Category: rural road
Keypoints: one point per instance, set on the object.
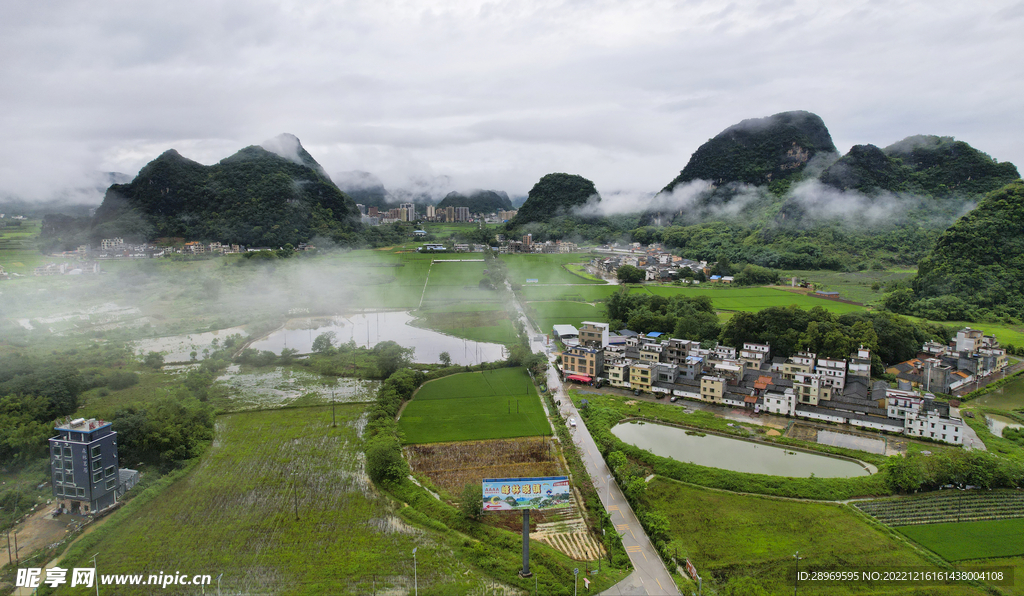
(650, 576)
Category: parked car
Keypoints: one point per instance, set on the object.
(636, 392)
(572, 421)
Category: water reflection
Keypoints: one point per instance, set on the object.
(371, 328)
(733, 454)
(996, 423)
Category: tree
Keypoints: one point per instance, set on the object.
(629, 274)
(446, 359)
(153, 360)
(903, 474)
(324, 343)
(470, 502)
(384, 462)
(391, 357)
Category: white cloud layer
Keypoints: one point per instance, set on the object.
(492, 94)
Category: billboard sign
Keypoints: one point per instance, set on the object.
(514, 494)
(692, 570)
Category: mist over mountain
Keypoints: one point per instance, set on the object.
(478, 201)
(364, 188)
(923, 164)
(758, 151)
(271, 194)
(78, 201)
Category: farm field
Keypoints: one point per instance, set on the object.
(493, 404)
(970, 540)
(750, 299)
(546, 268)
(533, 293)
(18, 253)
(234, 513)
(451, 466)
(547, 314)
(729, 536)
(852, 285)
(945, 506)
(486, 322)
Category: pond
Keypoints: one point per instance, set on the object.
(1008, 397)
(369, 329)
(733, 454)
(281, 386)
(179, 348)
(996, 423)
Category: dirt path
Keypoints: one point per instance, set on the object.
(39, 531)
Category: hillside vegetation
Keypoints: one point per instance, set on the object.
(554, 195)
(977, 265)
(254, 197)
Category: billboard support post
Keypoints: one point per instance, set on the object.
(525, 572)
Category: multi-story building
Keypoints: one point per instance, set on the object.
(410, 210)
(712, 388)
(581, 360)
(640, 377)
(810, 388)
(594, 335)
(83, 466)
(833, 373)
(802, 362)
(934, 426)
(462, 214)
(617, 373)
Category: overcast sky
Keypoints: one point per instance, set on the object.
(491, 94)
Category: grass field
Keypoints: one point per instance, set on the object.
(970, 540)
(234, 513)
(729, 536)
(494, 404)
(546, 269)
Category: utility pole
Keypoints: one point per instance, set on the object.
(96, 576)
(295, 492)
(796, 578)
(415, 578)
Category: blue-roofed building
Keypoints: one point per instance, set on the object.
(655, 334)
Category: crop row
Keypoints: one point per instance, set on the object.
(945, 507)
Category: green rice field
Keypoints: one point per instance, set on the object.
(750, 299)
(546, 269)
(970, 540)
(547, 314)
(494, 404)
